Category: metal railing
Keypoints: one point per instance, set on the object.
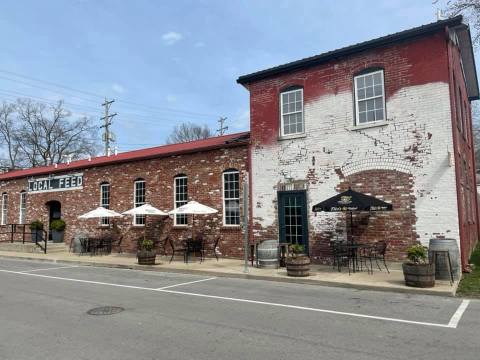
(39, 237)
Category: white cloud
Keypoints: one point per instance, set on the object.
(199, 44)
(118, 88)
(171, 98)
(171, 37)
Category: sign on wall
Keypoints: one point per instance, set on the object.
(56, 183)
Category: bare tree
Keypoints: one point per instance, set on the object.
(189, 132)
(9, 135)
(470, 9)
(35, 134)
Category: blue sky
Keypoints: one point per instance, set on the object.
(166, 62)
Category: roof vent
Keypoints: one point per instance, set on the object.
(55, 165)
(115, 150)
(89, 157)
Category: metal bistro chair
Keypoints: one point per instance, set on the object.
(177, 249)
(341, 255)
(377, 252)
(210, 246)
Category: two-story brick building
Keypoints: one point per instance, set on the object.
(389, 117)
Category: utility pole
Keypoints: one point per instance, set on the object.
(222, 128)
(107, 135)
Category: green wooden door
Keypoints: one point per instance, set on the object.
(292, 217)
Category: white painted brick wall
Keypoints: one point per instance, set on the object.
(412, 113)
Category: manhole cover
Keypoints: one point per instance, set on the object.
(105, 310)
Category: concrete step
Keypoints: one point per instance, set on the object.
(29, 247)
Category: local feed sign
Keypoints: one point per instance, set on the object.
(56, 183)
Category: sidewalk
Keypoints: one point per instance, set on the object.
(320, 274)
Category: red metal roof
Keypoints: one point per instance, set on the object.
(141, 154)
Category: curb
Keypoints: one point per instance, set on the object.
(305, 281)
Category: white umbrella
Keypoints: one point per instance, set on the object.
(145, 209)
(193, 208)
(100, 212)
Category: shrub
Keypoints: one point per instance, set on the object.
(146, 245)
(417, 254)
(57, 225)
(296, 249)
(36, 225)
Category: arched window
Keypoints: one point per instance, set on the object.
(22, 207)
(4, 209)
(180, 197)
(231, 197)
(291, 111)
(139, 200)
(105, 201)
(369, 96)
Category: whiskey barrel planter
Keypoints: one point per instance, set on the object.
(146, 257)
(298, 266)
(267, 252)
(441, 266)
(419, 275)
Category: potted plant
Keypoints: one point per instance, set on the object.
(146, 253)
(418, 271)
(58, 229)
(297, 263)
(36, 228)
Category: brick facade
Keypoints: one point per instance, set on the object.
(204, 171)
(407, 159)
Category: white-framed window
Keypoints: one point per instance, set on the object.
(181, 198)
(369, 97)
(231, 198)
(139, 200)
(291, 108)
(4, 209)
(22, 207)
(105, 201)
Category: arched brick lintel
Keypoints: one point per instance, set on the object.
(375, 164)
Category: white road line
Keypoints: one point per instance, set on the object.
(451, 324)
(52, 268)
(185, 283)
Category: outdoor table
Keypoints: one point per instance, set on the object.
(353, 249)
(93, 244)
(192, 246)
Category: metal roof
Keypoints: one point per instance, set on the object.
(135, 155)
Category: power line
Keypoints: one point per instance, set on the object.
(94, 95)
(222, 128)
(107, 135)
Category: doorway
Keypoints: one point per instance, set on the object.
(54, 213)
(292, 217)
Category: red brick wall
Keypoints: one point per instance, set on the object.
(464, 156)
(204, 171)
(414, 62)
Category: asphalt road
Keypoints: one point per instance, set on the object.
(43, 315)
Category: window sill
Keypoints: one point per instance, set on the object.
(290, 137)
(138, 226)
(368, 126)
(181, 227)
(231, 227)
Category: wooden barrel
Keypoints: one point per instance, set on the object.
(146, 257)
(441, 265)
(298, 266)
(267, 252)
(422, 276)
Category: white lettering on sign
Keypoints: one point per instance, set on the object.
(56, 183)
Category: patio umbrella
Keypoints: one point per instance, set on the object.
(350, 201)
(100, 212)
(193, 208)
(145, 209)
